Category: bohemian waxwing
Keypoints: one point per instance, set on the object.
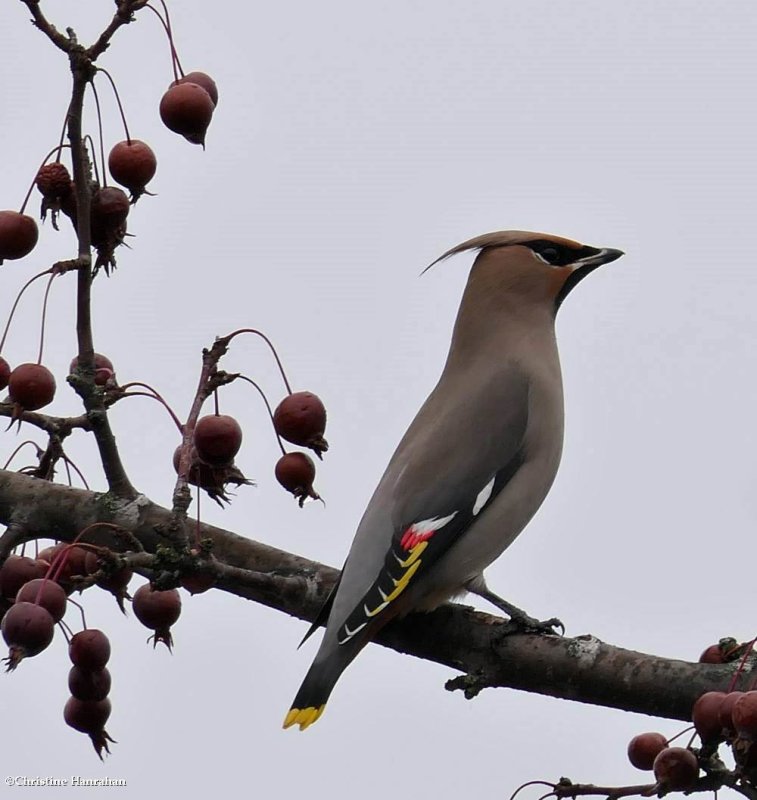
(476, 462)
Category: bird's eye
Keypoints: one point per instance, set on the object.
(550, 254)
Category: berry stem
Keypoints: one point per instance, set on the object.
(44, 317)
(155, 396)
(16, 451)
(227, 341)
(268, 406)
(61, 145)
(174, 54)
(15, 305)
(60, 559)
(175, 63)
(530, 783)
(68, 462)
(67, 632)
(99, 133)
(679, 734)
(81, 611)
(68, 473)
(215, 402)
(118, 101)
(46, 159)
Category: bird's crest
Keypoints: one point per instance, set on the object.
(498, 239)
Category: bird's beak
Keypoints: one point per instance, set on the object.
(604, 256)
(582, 267)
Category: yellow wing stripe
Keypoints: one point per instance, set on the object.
(410, 566)
(415, 553)
(402, 583)
(303, 717)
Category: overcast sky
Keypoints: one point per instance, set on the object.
(352, 144)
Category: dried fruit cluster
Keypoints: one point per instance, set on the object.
(300, 418)
(34, 597)
(719, 718)
(35, 593)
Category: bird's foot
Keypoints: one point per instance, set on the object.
(520, 622)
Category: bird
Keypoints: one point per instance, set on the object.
(476, 462)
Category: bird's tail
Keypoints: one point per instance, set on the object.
(310, 701)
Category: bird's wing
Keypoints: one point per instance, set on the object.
(323, 613)
(460, 461)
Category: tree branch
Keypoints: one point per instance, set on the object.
(123, 16)
(40, 21)
(54, 426)
(478, 645)
(115, 473)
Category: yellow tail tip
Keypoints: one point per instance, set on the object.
(303, 716)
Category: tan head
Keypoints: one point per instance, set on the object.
(528, 267)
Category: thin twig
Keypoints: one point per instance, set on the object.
(52, 33)
(227, 341)
(268, 406)
(44, 317)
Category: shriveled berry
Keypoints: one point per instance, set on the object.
(5, 373)
(200, 473)
(104, 369)
(725, 650)
(676, 769)
(644, 748)
(706, 716)
(69, 564)
(744, 715)
(27, 629)
(187, 109)
(18, 235)
(157, 610)
(110, 208)
(68, 204)
(726, 713)
(300, 418)
(89, 649)
(101, 362)
(90, 716)
(198, 580)
(89, 685)
(204, 80)
(18, 570)
(217, 439)
(132, 163)
(47, 554)
(102, 376)
(212, 479)
(57, 189)
(86, 716)
(47, 593)
(712, 655)
(31, 386)
(296, 473)
(53, 180)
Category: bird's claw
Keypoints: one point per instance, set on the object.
(523, 623)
